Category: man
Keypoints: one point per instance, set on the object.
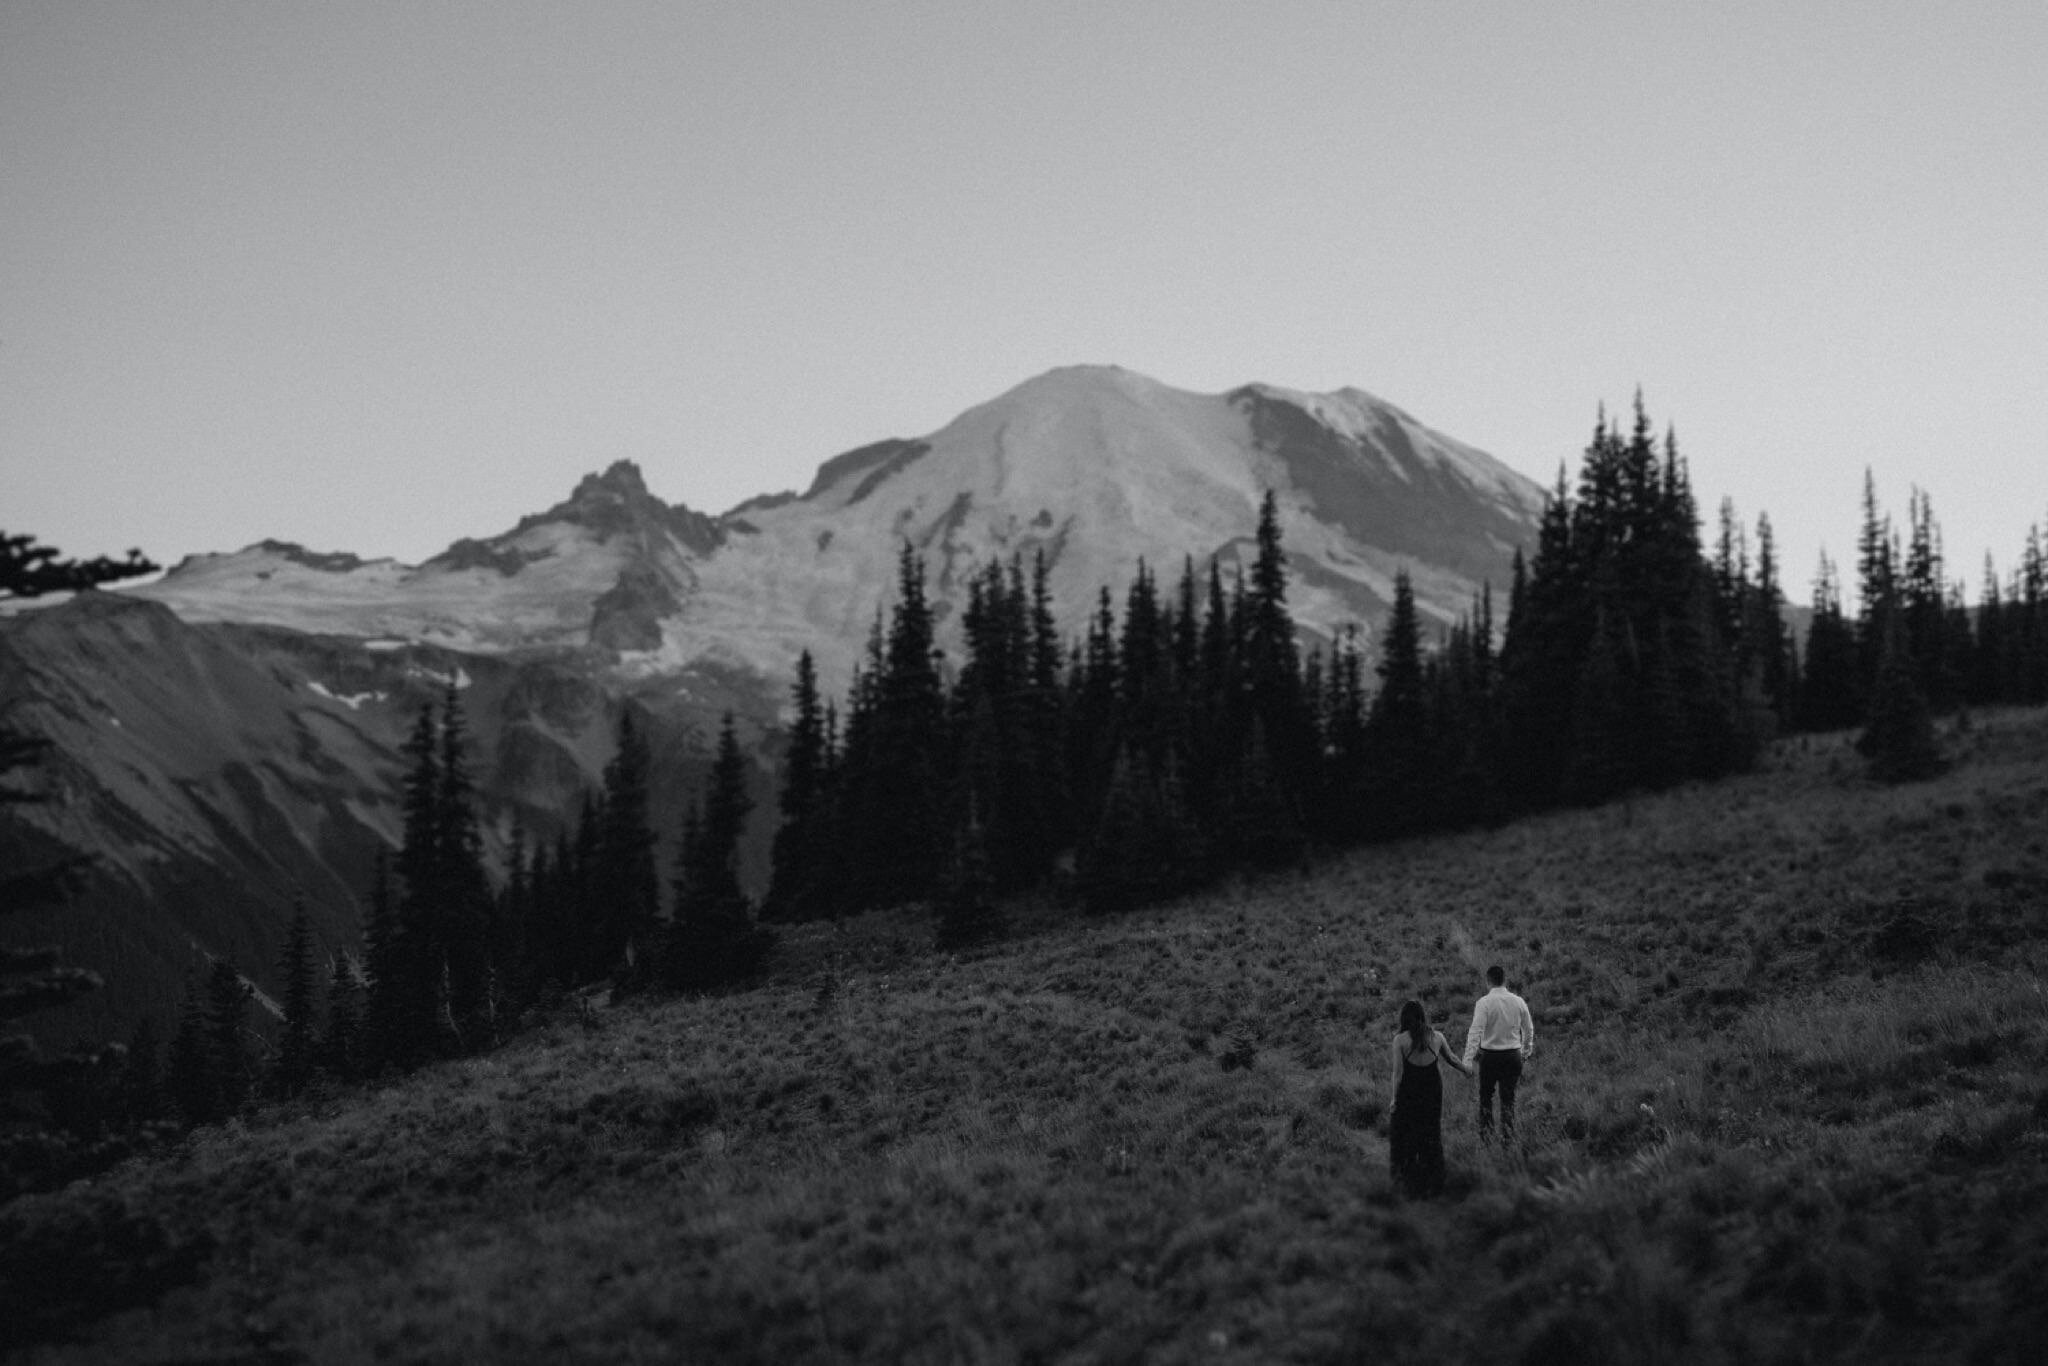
(1502, 1037)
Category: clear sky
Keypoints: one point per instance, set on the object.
(375, 276)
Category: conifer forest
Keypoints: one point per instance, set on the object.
(1178, 736)
(1182, 741)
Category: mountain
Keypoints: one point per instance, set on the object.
(230, 733)
(599, 568)
(1100, 468)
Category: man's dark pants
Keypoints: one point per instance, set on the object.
(1500, 1067)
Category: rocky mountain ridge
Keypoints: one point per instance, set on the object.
(230, 734)
(1094, 467)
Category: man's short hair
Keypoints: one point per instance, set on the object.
(1497, 975)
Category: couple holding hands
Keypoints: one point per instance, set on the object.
(1501, 1037)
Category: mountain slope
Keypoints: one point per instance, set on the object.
(217, 773)
(1761, 1124)
(583, 572)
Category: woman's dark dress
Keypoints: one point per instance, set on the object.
(1415, 1136)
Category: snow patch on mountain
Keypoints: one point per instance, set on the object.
(353, 701)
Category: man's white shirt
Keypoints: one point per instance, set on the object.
(1500, 1020)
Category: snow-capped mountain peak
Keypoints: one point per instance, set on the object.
(1095, 467)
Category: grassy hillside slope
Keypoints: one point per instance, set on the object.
(1790, 1102)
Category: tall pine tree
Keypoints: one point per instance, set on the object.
(1398, 745)
(625, 887)
(296, 1052)
(714, 940)
(796, 889)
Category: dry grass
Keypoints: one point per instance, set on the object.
(1789, 1103)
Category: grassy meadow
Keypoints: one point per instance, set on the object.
(1789, 1103)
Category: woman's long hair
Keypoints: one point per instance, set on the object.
(1415, 1024)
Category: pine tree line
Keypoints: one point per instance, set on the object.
(428, 979)
(1630, 659)
(1915, 648)
(1191, 736)
(1188, 735)
(446, 964)
(1184, 737)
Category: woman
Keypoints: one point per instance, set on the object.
(1415, 1135)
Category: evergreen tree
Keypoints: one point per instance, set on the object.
(1600, 767)
(1767, 640)
(195, 1091)
(1877, 583)
(1217, 717)
(1933, 643)
(1987, 681)
(1731, 573)
(1144, 677)
(967, 911)
(1899, 740)
(1049, 808)
(912, 722)
(795, 890)
(1398, 743)
(1265, 829)
(714, 940)
(389, 1033)
(463, 890)
(406, 969)
(1273, 664)
(625, 888)
(578, 918)
(518, 939)
(1830, 692)
(854, 821)
(341, 1048)
(1347, 809)
(226, 1037)
(1187, 627)
(1698, 729)
(432, 989)
(1619, 573)
(725, 811)
(893, 835)
(141, 1097)
(1463, 723)
(296, 1051)
(1723, 734)
(31, 570)
(1094, 709)
(1549, 628)
(1005, 723)
(2030, 644)
(1315, 692)
(1145, 847)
